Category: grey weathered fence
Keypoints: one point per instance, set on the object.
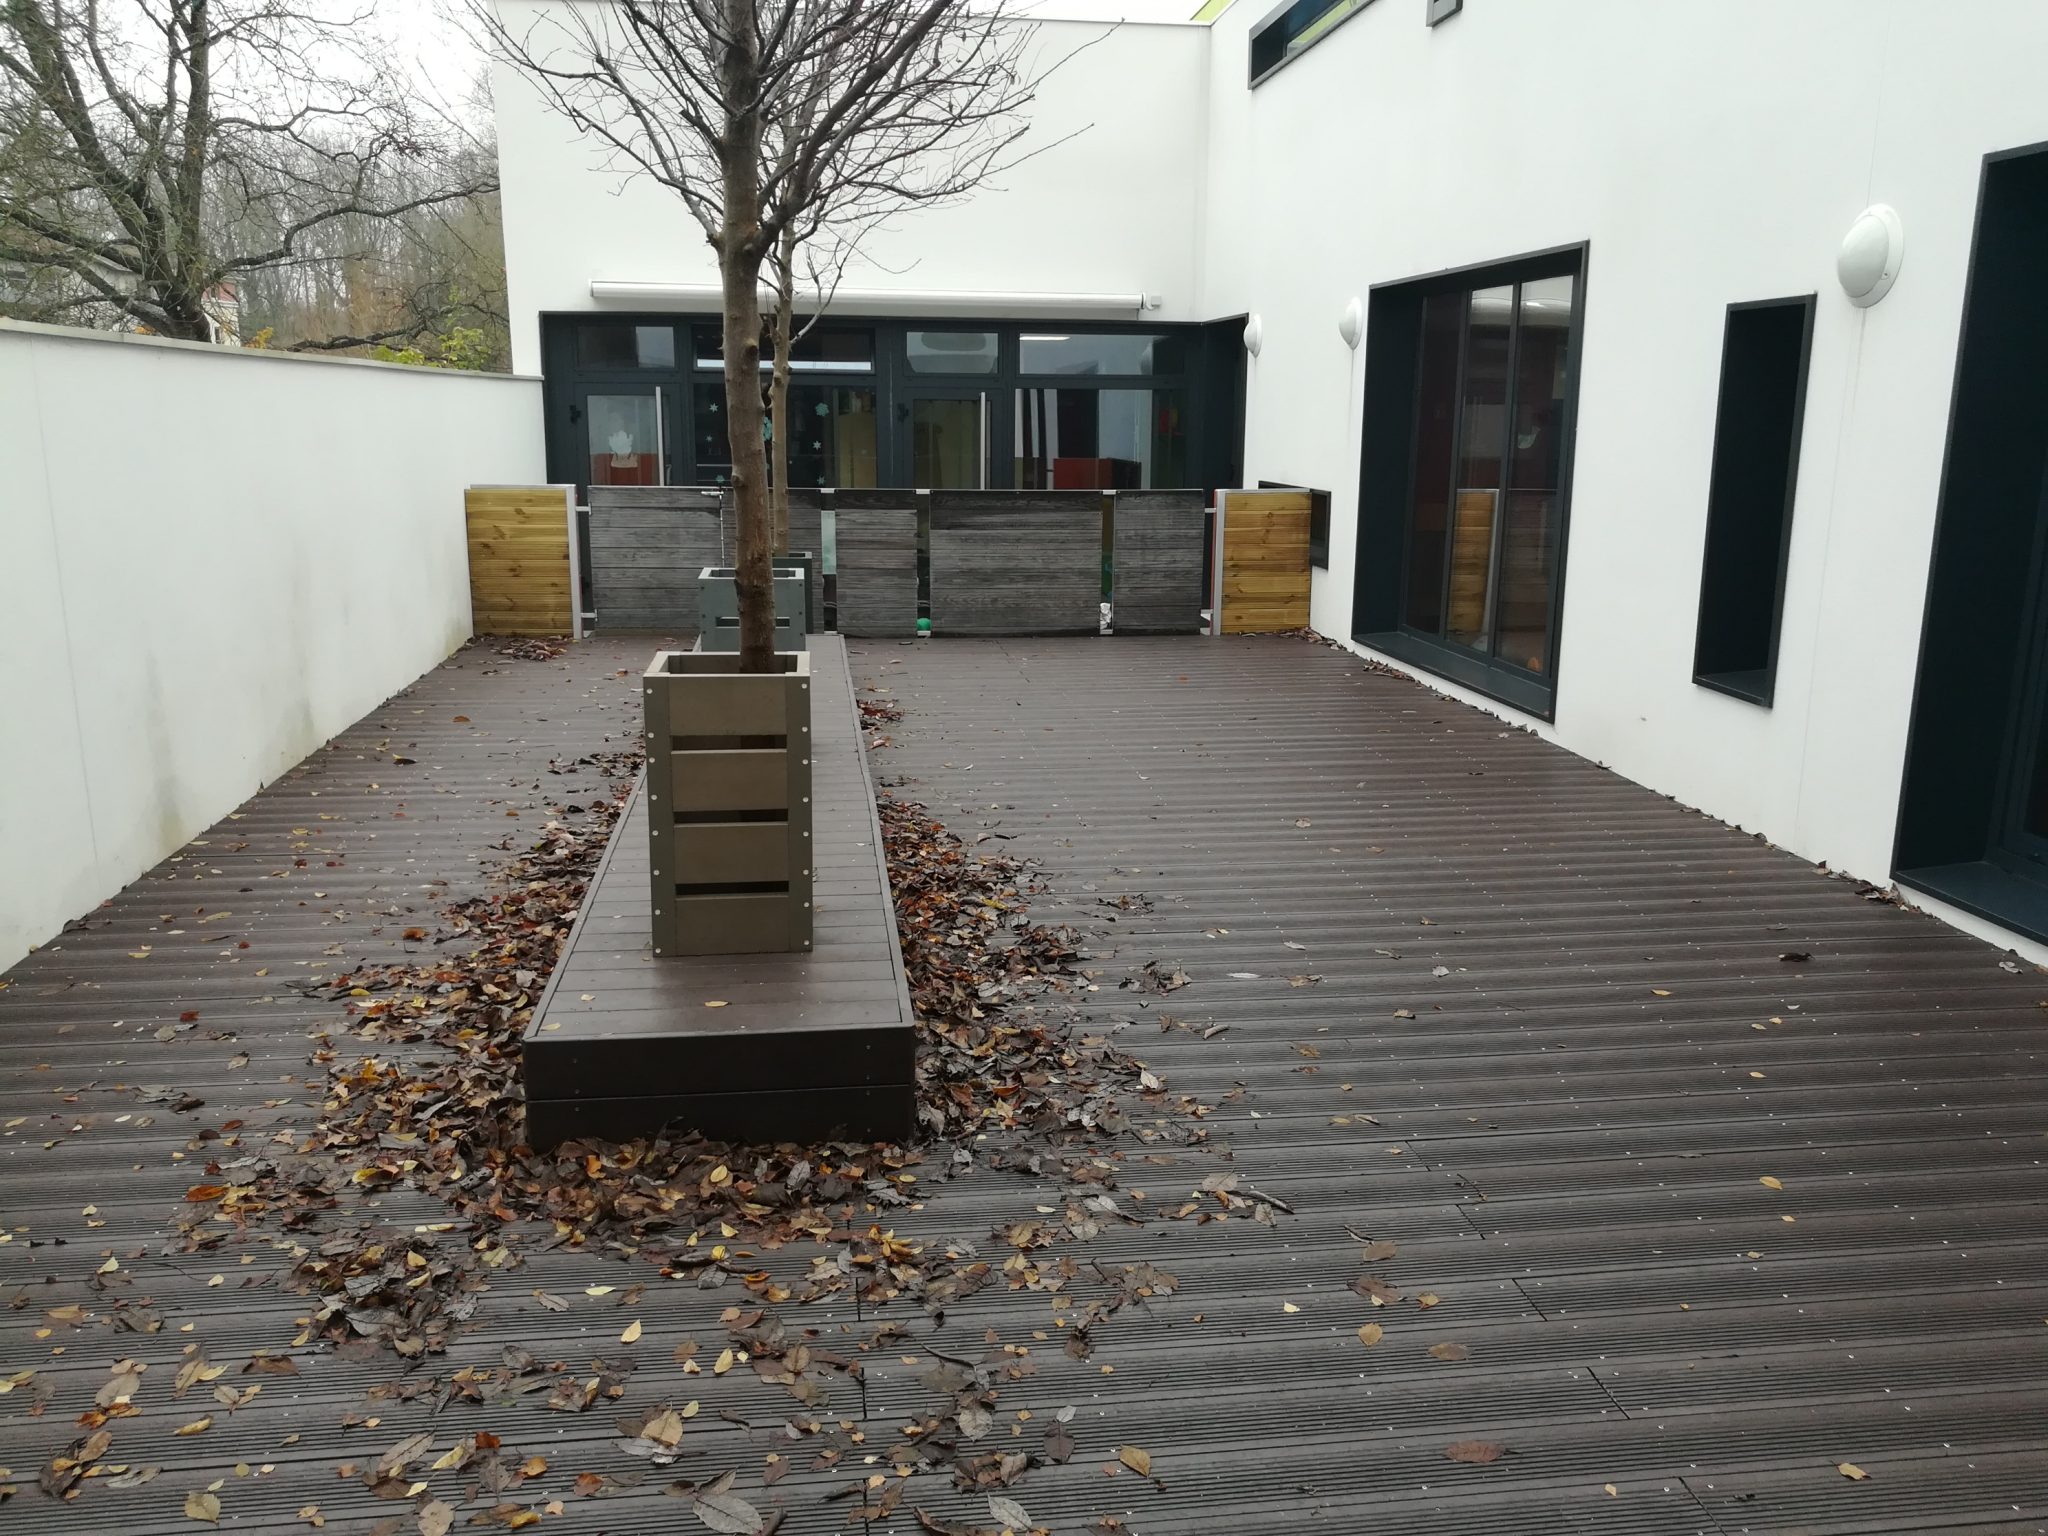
(875, 561)
(647, 544)
(977, 562)
(1016, 562)
(1156, 561)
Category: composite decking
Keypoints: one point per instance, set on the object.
(1450, 989)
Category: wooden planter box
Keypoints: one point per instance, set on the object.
(718, 607)
(729, 804)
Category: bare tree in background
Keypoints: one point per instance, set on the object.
(155, 153)
(771, 120)
(945, 122)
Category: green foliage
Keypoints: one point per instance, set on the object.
(466, 347)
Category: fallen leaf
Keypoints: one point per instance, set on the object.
(727, 1513)
(1008, 1512)
(1770, 1183)
(717, 1002)
(1370, 1334)
(632, 1332)
(1452, 1352)
(437, 1517)
(1136, 1458)
(196, 1427)
(203, 1506)
(1478, 1452)
(1850, 1470)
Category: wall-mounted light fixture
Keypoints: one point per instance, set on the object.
(1352, 325)
(1254, 335)
(1871, 253)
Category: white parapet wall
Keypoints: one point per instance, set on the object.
(216, 560)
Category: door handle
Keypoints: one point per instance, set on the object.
(660, 439)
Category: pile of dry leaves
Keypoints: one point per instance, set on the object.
(423, 1091)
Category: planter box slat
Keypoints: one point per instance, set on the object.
(725, 851)
(733, 780)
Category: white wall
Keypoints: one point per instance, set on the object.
(215, 561)
(1709, 153)
(1109, 204)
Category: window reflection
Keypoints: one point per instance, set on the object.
(1491, 437)
(834, 444)
(954, 352)
(1105, 354)
(620, 344)
(1529, 530)
(1100, 439)
(826, 351)
(625, 438)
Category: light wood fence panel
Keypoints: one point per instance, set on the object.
(1262, 570)
(522, 559)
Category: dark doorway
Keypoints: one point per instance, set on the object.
(1973, 818)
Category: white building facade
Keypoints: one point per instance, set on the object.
(1550, 299)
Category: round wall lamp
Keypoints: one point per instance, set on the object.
(1871, 253)
(1352, 325)
(1254, 335)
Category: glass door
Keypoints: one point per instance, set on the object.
(625, 434)
(2022, 835)
(947, 439)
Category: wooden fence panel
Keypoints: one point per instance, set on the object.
(522, 563)
(1262, 570)
(647, 544)
(1016, 562)
(1156, 572)
(875, 542)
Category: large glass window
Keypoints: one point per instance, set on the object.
(1108, 354)
(1100, 439)
(1463, 491)
(954, 352)
(1491, 417)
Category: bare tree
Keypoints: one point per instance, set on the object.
(941, 125)
(743, 108)
(179, 145)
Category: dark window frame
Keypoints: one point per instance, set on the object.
(1722, 515)
(1388, 469)
(1267, 51)
(1444, 10)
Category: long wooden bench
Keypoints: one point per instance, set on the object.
(761, 1048)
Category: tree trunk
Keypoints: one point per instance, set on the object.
(781, 429)
(739, 266)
